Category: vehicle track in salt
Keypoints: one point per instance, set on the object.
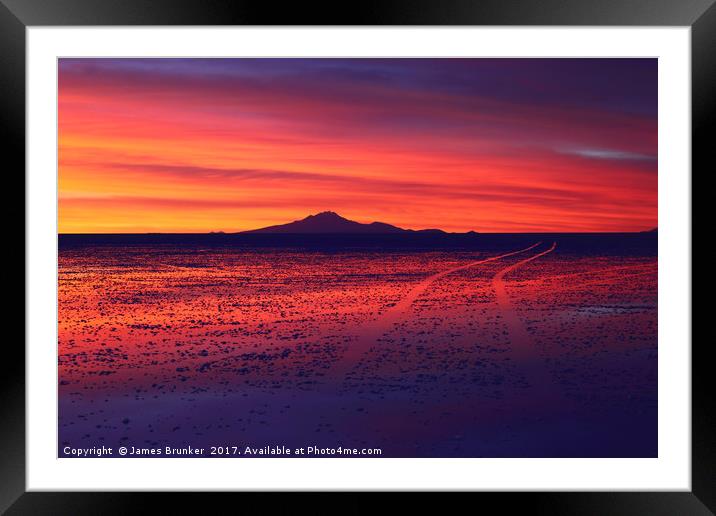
(543, 386)
(374, 330)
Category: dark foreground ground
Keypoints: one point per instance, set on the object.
(464, 346)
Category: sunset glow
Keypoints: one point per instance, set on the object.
(491, 145)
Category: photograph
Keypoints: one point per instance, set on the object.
(321, 257)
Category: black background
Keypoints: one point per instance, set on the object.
(16, 15)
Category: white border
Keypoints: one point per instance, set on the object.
(671, 471)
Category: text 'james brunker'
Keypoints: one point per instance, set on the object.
(236, 451)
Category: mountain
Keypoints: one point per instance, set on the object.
(331, 222)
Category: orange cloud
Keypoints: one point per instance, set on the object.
(148, 149)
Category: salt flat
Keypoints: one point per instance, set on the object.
(538, 346)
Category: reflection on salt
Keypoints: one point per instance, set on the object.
(163, 345)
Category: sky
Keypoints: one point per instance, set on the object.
(491, 145)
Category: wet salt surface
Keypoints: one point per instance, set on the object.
(163, 346)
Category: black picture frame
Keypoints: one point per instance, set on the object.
(17, 15)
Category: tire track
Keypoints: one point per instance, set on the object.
(376, 329)
(523, 350)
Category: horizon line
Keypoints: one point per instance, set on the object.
(415, 232)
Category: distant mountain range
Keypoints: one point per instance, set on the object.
(331, 222)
